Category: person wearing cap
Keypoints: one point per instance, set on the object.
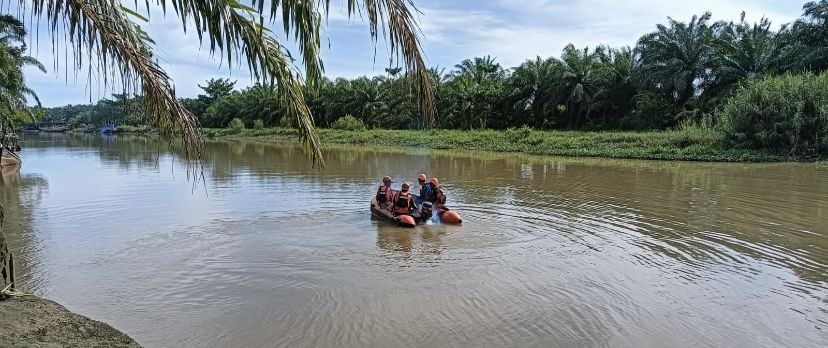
(384, 193)
(439, 197)
(425, 188)
(403, 201)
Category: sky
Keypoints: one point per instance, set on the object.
(509, 30)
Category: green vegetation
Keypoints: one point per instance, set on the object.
(236, 125)
(686, 143)
(349, 122)
(681, 73)
(14, 107)
(785, 113)
(110, 34)
(258, 123)
(108, 38)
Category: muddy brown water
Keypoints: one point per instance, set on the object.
(552, 252)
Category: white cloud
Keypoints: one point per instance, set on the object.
(516, 30)
(511, 30)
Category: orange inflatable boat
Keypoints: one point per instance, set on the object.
(445, 215)
(421, 215)
(402, 220)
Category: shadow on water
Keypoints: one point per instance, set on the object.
(552, 250)
(20, 195)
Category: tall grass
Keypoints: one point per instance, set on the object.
(787, 113)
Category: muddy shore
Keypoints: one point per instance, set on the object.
(30, 321)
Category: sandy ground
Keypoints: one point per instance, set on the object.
(30, 321)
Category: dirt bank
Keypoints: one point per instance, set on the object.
(31, 321)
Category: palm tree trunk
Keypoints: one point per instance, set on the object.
(537, 110)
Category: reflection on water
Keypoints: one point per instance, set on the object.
(553, 251)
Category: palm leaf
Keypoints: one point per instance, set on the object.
(236, 31)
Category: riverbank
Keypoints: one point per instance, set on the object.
(30, 321)
(691, 143)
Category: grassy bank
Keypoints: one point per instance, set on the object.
(689, 143)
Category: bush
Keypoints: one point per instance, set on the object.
(348, 122)
(236, 124)
(518, 134)
(785, 113)
(258, 123)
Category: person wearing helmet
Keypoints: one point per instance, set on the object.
(438, 197)
(403, 202)
(384, 193)
(425, 188)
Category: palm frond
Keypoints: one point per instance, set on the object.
(101, 31)
(32, 61)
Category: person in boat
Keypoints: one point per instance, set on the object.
(403, 201)
(438, 197)
(425, 188)
(385, 193)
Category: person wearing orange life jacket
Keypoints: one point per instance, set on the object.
(385, 193)
(438, 197)
(403, 201)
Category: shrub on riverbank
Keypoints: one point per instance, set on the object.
(349, 123)
(688, 142)
(784, 113)
(258, 124)
(133, 129)
(236, 125)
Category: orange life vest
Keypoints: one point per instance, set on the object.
(439, 197)
(402, 202)
(382, 194)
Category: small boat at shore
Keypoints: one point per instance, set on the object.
(9, 161)
(10, 157)
(109, 128)
(10, 151)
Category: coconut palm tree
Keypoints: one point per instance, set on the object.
(366, 100)
(533, 86)
(14, 94)
(480, 68)
(13, 100)
(582, 75)
(743, 51)
(615, 97)
(676, 58)
(110, 34)
(474, 93)
(809, 36)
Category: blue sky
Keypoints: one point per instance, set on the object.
(510, 30)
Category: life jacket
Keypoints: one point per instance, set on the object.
(439, 197)
(426, 209)
(402, 202)
(382, 194)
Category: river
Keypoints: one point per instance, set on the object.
(268, 251)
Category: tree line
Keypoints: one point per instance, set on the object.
(682, 71)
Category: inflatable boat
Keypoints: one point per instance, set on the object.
(421, 215)
(445, 215)
(384, 214)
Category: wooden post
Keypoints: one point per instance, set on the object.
(11, 271)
